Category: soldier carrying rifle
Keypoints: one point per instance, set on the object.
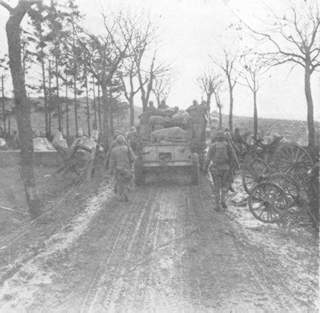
(219, 161)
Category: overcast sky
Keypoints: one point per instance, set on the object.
(192, 30)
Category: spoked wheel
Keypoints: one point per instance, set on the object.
(288, 184)
(253, 173)
(294, 160)
(268, 202)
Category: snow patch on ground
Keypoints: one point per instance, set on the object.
(17, 292)
(296, 250)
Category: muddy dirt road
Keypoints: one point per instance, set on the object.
(167, 250)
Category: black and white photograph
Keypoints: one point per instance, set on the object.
(159, 156)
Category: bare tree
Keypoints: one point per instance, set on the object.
(22, 105)
(161, 89)
(228, 67)
(141, 66)
(147, 77)
(105, 57)
(207, 83)
(295, 39)
(3, 70)
(217, 85)
(141, 36)
(253, 67)
(129, 87)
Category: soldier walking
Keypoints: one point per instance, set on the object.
(219, 161)
(121, 159)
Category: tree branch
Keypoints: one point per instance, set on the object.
(315, 32)
(7, 6)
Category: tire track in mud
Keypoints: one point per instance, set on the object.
(137, 284)
(110, 294)
(267, 292)
(142, 245)
(104, 229)
(115, 263)
(147, 262)
(93, 286)
(99, 232)
(225, 228)
(160, 291)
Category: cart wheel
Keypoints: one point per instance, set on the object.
(195, 169)
(289, 185)
(294, 160)
(253, 173)
(268, 202)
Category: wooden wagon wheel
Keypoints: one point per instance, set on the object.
(294, 160)
(253, 173)
(288, 184)
(268, 202)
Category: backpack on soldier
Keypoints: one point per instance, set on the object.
(221, 153)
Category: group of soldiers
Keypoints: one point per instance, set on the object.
(221, 158)
(221, 161)
(125, 149)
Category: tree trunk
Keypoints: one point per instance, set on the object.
(75, 106)
(87, 104)
(95, 122)
(209, 107)
(22, 107)
(310, 118)
(110, 115)
(49, 100)
(99, 110)
(208, 103)
(67, 110)
(106, 119)
(255, 115)
(313, 190)
(131, 110)
(58, 98)
(45, 97)
(3, 104)
(158, 100)
(220, 116)
(144, 100)
(9, 125)
(75, 76)
(230, 105)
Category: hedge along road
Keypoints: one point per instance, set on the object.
(167, 250)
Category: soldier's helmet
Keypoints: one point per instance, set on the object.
(120, 140)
